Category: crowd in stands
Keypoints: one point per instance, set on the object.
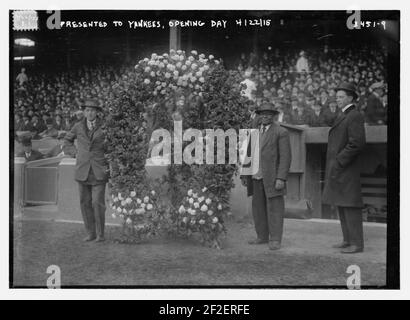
(301, 84)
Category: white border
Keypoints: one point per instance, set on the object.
(250, 294)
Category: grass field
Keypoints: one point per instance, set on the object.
(306, 258)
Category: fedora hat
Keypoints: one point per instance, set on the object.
(91, 103)
(349, 87)
(267, 107)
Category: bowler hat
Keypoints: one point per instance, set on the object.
(91, 103)
(377, 85)
(26, 140)
(267, 107)
(349, 87)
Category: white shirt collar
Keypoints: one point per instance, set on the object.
(347, 107)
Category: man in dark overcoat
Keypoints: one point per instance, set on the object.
(342, 178)
(267, 184)
(91, 169)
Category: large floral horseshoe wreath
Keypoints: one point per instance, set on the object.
(190, 199)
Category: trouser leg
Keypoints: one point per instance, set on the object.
(276, 211)
(343, 224)
(86, 208)
(354, 221)
(98, 203)
(259, 210)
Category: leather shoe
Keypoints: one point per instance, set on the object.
(341, 245)
(100, 239)
(89, 238)
(352, 249)
(257, 241)
(274, 245)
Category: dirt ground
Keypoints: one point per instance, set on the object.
(306, 258)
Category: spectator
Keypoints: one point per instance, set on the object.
(301, 116)
(28, 152)
(50, 132)
(58, 122)
(375, 111)
(302, 64)
(317, 118)
(331, 113)
(26, 125)
(22, 77)
(37, 126)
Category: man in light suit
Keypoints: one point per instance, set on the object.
(268, 185)
(91, 169)
(342, 178)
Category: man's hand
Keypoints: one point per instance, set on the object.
(244, 181)
(279, 184)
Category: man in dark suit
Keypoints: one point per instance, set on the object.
(91, 169)
(376, 113)
(267, 185)
(342, 179)
(28, 152)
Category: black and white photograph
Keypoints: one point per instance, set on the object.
(197, 149)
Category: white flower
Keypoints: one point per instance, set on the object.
(146, 59)
(201, 221)
(189, 192)
(204, 208)
(165, 55)
(181, 58)
(128, 200)
(133, 194)
(114, 207)
(128, 221)
(193, 79)
(191, 58)
(113, 215)
(196, 205)
(208, 201)
(211, 57)
(149, 206)
(185, 220)
(152, 74)
(193, 212)
(195, 195)
(167, 75)
(121, 216)
(153, 56)
(210, 212)
(139, 201)
(153, 192)
(191, 201)
(115, 199)
(199, 74)
(142, 205)
(164, 84)
(124, 210)
(193, 221)
(139, 211)
(215, 220)
(181, 209)
(206, 67)
(201, 79)
(147, 81)
(202, 56)
(183, 67)
(216, 62)
(194, 66)
(146, 199)
(194, 52)
(123, 202)
(161, 65)
(204, 189)
(188, 63)
(176, 73)
(200, 199)
(219, 206)
(147, 69)
(119, 210)
(120, 196)
(179, 51)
